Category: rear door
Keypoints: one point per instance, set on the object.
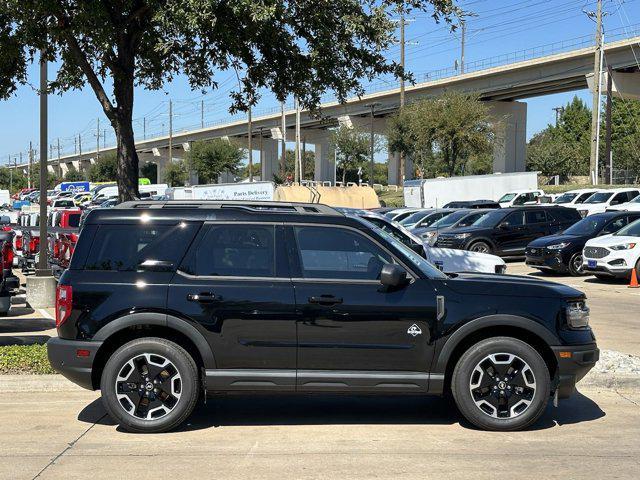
(234, 286)
(353, 334)
(510, 235)
(537, 225)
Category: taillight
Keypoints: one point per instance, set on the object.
(64, 295)
(19, 242)
(56, 248)
(7, 255)
(34, 243)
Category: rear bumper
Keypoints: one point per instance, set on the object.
(574, 362)
(63, 356)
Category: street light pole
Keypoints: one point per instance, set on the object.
(372, 106)
(42, 270)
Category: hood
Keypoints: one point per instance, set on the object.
(555, 239)
(610, 240)
(510, 286)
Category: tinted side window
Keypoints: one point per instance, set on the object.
(619, 198)
(235, 251)
(327, 252)
(614, 225)
(515, 219)
(633, 194)
(535, 216)
(125, 247)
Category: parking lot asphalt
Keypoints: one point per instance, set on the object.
(596, 434)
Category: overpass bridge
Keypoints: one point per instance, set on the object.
(502, 86)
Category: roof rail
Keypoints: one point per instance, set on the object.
(254, 206)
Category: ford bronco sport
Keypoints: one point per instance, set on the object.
(167, 300)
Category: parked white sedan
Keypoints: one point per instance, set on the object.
(614, 255)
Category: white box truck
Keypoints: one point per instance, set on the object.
(255, 191)
(437, 192)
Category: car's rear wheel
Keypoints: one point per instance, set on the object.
(150, 385)
(501, 384)
(480, 247)
(576, 267)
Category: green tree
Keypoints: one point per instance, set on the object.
(73, 176)
(149, 170)
(105, 169)
(442, 134)
(308, 166)
(548, 154)
(12, 180)
(211, 158)
(176, 174)
(625, 136)
(286, 47)
(52, 179)
(353, 151)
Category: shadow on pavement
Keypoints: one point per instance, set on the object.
(265, 410)
(26, 325)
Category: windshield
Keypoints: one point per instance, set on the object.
(631, 230)
(414, 259)
(587, 226)
(449, 219)
(413, 218)
(507, 197)
(490, 219)
(600, 197)
(635, 200)
(565, 198)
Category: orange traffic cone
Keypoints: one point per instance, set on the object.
(634, 279)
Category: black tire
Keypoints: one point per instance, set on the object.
(604, 278)
(530, 383)
(179, 376)
(575, 265)
(480, 246)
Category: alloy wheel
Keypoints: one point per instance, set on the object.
(576, 264)
(148, 386)
(480, 247)
(502, 385)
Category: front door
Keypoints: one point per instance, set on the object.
(352, 333)
(511, 234)
(234, 286)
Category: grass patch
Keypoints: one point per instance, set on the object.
(392, 199)
(567, 187)
(24, 360)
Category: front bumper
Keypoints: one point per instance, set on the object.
(604, 267)
(545, 260)
(64, 358)
(574, 362)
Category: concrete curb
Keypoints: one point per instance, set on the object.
(57, 383)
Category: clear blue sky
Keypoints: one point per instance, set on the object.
(500, 27)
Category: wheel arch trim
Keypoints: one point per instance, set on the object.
(162, 320)
(488, 321)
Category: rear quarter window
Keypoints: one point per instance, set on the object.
(125, 247)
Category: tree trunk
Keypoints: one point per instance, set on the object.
(127, 162)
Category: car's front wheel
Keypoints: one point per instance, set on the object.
(150, 385)
(502, 384)
(576, 267)
(480, 247)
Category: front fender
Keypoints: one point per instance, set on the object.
(478, 324)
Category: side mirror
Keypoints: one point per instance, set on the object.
(504, 226)
(393, 275)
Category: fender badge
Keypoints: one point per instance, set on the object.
(414, 330)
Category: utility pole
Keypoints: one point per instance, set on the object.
(30, 166)
(296, 176)
(463, 24)
(42, 270)
(75, 145)
(595, 112)
(559, 111)
(170, 133)
(250, 141)
(608, 152)
(261, 153)
(79, 148)
(10, 176)
(98, 141)
(402, 44)
(144, 128)
(201, 113)
(58, 150)
(283, 157)
(372, 106)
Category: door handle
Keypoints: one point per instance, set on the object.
(203, 297)
(325, 300)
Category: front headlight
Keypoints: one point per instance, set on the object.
(624, 246)
(461, 236)
(577, 314)
(428, 235)
(558, 246)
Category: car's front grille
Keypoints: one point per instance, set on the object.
(534, 252)
(595, 252)
(447, 242)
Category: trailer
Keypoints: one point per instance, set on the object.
(436, 192)
(254, 191)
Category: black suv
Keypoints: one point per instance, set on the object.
(507, 232)
(165, 300)
(562, 252)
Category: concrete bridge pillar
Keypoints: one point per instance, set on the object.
(324, 161)
(510, 150)
(269, 165)
(393, 165)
